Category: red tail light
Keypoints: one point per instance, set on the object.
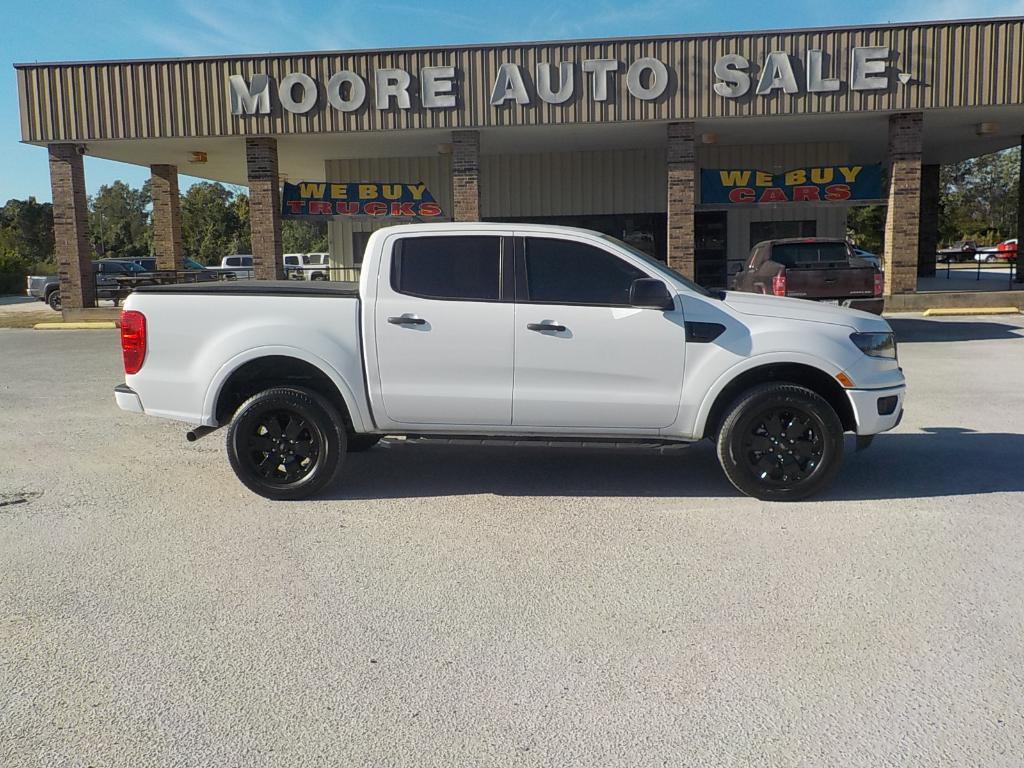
(133, 340)
(779, 285)
(878, 283)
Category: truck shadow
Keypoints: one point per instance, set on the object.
(942, 461)
(914, 331)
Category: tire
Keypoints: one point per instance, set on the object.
(318, 276)
(53, 300)
(754, 435)
(991, 259)
(360, 443)
(318, 436)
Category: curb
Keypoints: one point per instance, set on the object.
(956, 311)
(80, 326)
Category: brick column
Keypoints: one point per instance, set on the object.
(466, 175)
(166, 217)
(902, 219)
(928, 231)
(71, 226)
(1020, 216)
(682, 172)
(264, 208)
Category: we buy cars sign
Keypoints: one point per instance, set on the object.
(830, 183)
(359, 199)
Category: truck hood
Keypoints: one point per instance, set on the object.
(802, 309)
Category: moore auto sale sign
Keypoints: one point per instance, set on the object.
(646, 78)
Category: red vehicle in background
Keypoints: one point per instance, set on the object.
(1005, 251)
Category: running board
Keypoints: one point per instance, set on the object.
(542, 441)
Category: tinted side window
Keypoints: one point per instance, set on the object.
(564, 272)
(466, 268)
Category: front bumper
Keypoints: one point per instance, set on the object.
(875, 410)
(127, 399)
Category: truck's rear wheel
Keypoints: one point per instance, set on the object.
(286, 443)
(780, 442)
(53, 300)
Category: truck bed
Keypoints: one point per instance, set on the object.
(258, 288)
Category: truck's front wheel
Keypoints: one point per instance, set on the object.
(780, 442)
(286, 443)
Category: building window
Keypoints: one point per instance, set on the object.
(777, 230)
(457, 268)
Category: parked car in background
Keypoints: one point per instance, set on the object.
(511, 331)
(1002, 252)
(963, 250)
(306, 266)
(867, 256)
(106, 273)
(816, 268)
(194, 271)
(239, 263)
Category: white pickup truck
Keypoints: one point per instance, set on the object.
(508, 331)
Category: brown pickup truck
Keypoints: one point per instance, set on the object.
(816, 268)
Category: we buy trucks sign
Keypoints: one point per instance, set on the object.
(359, 199)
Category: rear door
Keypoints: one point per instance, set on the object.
(443, 330)
(583, 356)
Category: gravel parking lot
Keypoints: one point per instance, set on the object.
(452, 605)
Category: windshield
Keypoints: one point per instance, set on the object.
(805, 254)
(659, 266)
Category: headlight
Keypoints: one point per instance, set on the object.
(875, 344)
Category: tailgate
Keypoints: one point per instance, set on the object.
(830, 282)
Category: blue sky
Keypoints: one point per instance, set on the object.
(109, 29)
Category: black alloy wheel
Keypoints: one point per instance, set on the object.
(286, 443)
(780, 442)
(53, 300)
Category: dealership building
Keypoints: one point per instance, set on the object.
(692, 147)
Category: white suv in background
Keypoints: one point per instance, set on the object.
(307, 266)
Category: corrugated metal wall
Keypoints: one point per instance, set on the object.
(434, 171)
(570, 183)
(975, 63)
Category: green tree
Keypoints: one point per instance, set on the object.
(302, 236)
(119, 223)
(978, 198)
(214, 222)
(27, 231)
(865, 227)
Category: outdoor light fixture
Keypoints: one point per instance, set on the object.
(198, 157)
(986, 129)
(709, 138)
(444, 149)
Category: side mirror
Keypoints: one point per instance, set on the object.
(649, 293)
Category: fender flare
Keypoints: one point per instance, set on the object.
(749, 364)
(227, 369)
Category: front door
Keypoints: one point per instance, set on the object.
(583, 356)
(444, 332)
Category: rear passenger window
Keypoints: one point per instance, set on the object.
(565, 272)
(460, 268)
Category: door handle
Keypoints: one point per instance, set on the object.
(544, 327)
(407, 320)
